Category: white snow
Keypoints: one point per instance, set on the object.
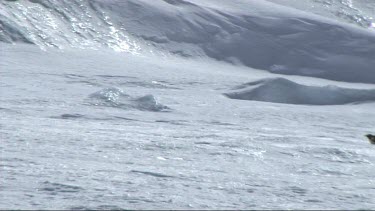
(123, 104)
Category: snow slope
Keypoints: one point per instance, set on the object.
(257, 34)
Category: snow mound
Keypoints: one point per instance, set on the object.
(281, 90)
(115, 97)
(110, 96)
(149, 103)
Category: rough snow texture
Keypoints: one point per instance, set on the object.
(281, 90)
(254, 33)
(63, 147)
(82, 123)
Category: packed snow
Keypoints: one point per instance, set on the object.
(187, 104)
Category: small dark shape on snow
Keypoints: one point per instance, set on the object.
(371, 138)
(149, 103)
(71, 116)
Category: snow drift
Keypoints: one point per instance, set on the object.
(257, 34)
(280, 90)
(115, 97)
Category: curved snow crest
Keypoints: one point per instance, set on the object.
(115, 97)
(281, 90)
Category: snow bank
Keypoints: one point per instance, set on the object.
(257, 34)
(280, 90)
(115, 97)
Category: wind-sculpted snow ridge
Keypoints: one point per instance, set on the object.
(258, 34)
(280, 90)
(115, 97)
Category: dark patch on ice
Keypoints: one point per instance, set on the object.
(127, 119)
(250, 190)
(3, 166)
(12, 33)
(8, 110)
(71, 116)
(182, 53)
(330, 172)
(173, 122)
(74, 76)
(281, 90)
(313, 201)
(154, 174)
(59, 188)
(179, 3)
(215, 122)
(155, 39)
(298, 190)
(202, 143)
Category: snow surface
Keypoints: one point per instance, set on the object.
(121, 104)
